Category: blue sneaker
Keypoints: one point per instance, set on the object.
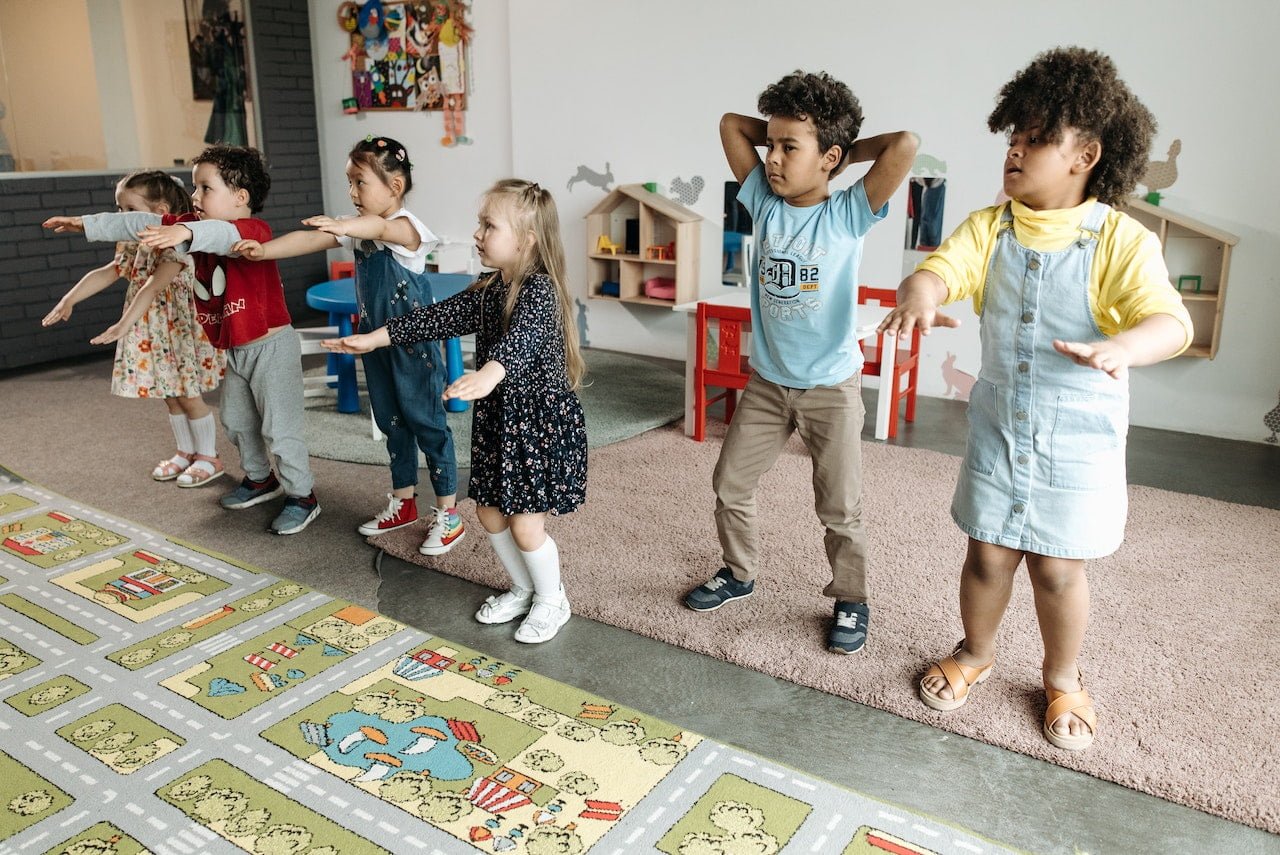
(849, 628)
(718, 590)
(251, 492)
(297, 514)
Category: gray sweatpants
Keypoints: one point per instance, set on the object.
(262, 409)
(829, 420)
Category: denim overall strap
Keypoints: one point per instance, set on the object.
(1044, 466)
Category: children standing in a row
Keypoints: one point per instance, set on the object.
(528, 436)
(804, 353)
(241, 305)
(1071, 294)
(161, 351)
(405, 383)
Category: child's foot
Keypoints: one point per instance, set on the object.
(946, 685)
(506, 606)
(546, 616)
(445, 532)
(201, 471)
(251, 492)
(398, 514)
(718, 590)
(297, 514)
(1070, 721)
(167, 470)
(849, 627)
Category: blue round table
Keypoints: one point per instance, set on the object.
(338, 298)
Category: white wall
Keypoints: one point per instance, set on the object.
(642, 85)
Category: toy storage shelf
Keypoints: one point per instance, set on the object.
(1193, 249)
(662, 226)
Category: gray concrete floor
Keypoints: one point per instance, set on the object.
(1002, 795)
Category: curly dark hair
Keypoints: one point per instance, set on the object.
(385, 157)
(1075, 88)
(242, 168)
(819, 97)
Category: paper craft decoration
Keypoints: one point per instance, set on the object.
(410, 56)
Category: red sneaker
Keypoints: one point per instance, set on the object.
(398, 514)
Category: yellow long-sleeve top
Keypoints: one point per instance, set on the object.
(1127, 283)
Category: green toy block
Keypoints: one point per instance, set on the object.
(1188, 279)
(1153, 198)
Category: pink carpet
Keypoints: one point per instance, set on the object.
(1180, 657)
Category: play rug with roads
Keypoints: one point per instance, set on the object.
(156, 697)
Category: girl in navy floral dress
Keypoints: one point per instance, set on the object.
(528, 436)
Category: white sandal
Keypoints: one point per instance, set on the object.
(505, 607)
(545, 618)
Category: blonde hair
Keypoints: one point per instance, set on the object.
(533, 210)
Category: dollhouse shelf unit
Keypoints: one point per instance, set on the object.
(1193, 249)
(661, 222)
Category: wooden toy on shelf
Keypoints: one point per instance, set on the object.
(665, 246)
(660, 288)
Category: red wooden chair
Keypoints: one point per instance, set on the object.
(342, 269)
(906, 361)
(730, 371)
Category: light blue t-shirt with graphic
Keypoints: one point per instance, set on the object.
(804, 300)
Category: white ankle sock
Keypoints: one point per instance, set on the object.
(512, 559)
(544, 568)
(205, 435)
(182, 433)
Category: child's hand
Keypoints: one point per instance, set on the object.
(250, 249)
(60, 312)
(65, 224)
(328, 225)
(113, 333)
(358, 343)
(477, 384)
(911, 314)
(164, 237)
(1108, 356)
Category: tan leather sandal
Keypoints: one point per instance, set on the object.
(1061, 703)
(202, 470)
(960, 678)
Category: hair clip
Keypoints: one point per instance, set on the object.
(177, 180)
(382, 142)
(400, 155)
(369, 138)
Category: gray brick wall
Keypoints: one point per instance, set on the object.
(37, 267)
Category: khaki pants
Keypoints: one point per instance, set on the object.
(829, 419)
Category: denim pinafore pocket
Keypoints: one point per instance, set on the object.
(985, 443)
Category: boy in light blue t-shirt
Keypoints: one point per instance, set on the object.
(805, 355)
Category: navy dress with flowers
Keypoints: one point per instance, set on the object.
(528, 436)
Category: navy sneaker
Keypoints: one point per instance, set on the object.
(718, 590)
(251, 492)
(849, 629)
(297, 514)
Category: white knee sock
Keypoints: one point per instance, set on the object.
(512, 559)
(205, 434)
(544, 568)
(182, 433)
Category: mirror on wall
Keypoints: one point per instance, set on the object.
(925, 205)
(115, 85)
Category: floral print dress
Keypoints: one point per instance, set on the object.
(165, 354)
(528, 437)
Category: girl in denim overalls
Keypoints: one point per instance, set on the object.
(1071, 293)
(405, 383)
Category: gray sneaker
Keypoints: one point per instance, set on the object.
(718, 590)
(251, 492)
(849, 627)
(297, 514)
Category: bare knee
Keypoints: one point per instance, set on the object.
(491, 518)
(1055, 575)
(528, 530)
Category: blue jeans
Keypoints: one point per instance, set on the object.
(405, 384)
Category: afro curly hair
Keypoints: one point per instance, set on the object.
(241, 168)
(820, 98)
(1075, 88)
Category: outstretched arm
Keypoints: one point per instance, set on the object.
(91, 283)
(1155, 339)
(159, 279)
(740, 136)
(398, 230)
(358, 343)
(893, 155)
(286, 246)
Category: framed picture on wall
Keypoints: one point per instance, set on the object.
(216, 44)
